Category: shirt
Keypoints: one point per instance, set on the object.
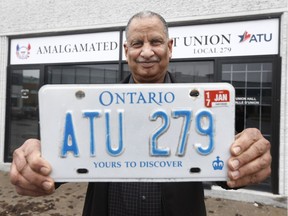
(135, 198)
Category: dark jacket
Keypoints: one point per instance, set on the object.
(178, 198)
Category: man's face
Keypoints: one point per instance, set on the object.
(148, 50)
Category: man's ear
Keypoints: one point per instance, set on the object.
(170, 45)
(125, 48)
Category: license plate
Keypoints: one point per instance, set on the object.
(137, 132)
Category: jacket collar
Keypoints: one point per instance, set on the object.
(127, 79)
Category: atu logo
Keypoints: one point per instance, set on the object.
(23, 52)
(255, 37)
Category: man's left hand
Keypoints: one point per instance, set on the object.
(250, 161)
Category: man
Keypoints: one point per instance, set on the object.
(148, 50)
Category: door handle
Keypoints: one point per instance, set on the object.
(24, 93)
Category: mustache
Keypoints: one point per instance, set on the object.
(141, 60)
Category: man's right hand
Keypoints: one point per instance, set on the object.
(30, 172)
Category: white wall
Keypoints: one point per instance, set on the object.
(3, 66)
(283, 152)
(30, 16)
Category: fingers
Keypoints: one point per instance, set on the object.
(34, 186)
(248, 180)
(251, 173)
(250, 152)
(251, 159)
(248, 138)
(30, 172)
(30, 180)
(30, 152)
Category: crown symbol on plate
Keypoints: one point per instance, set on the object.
(218, 164)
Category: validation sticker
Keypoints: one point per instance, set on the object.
(216, 98)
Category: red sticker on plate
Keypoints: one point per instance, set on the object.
(216, 98)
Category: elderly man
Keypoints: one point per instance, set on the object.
(148, 50)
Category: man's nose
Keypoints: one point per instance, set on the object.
(147, 51)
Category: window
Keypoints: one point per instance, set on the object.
(192, 72)
(83, 74)
(253, 85)
(22, 108)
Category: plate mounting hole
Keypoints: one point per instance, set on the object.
(80, 94)
(82, 171)
(195, 170)
(194, 93)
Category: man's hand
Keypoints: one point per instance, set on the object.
(250, 160)
(30, 172)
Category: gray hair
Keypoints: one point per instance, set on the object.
(145, 14)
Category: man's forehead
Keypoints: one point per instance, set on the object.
(147, 25)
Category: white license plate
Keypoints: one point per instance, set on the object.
(137, 132)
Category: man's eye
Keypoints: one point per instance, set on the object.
(156, 42)
(136, 44)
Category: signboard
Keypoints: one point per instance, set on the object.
(143, 132)
(257, 37)
(66, 48)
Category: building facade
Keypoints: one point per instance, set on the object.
(61, 42)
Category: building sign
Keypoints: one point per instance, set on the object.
(260, 37)
(226, 39)
(247, 101)
(69, 48)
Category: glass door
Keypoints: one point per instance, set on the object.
(22, 108)
(257, 86)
